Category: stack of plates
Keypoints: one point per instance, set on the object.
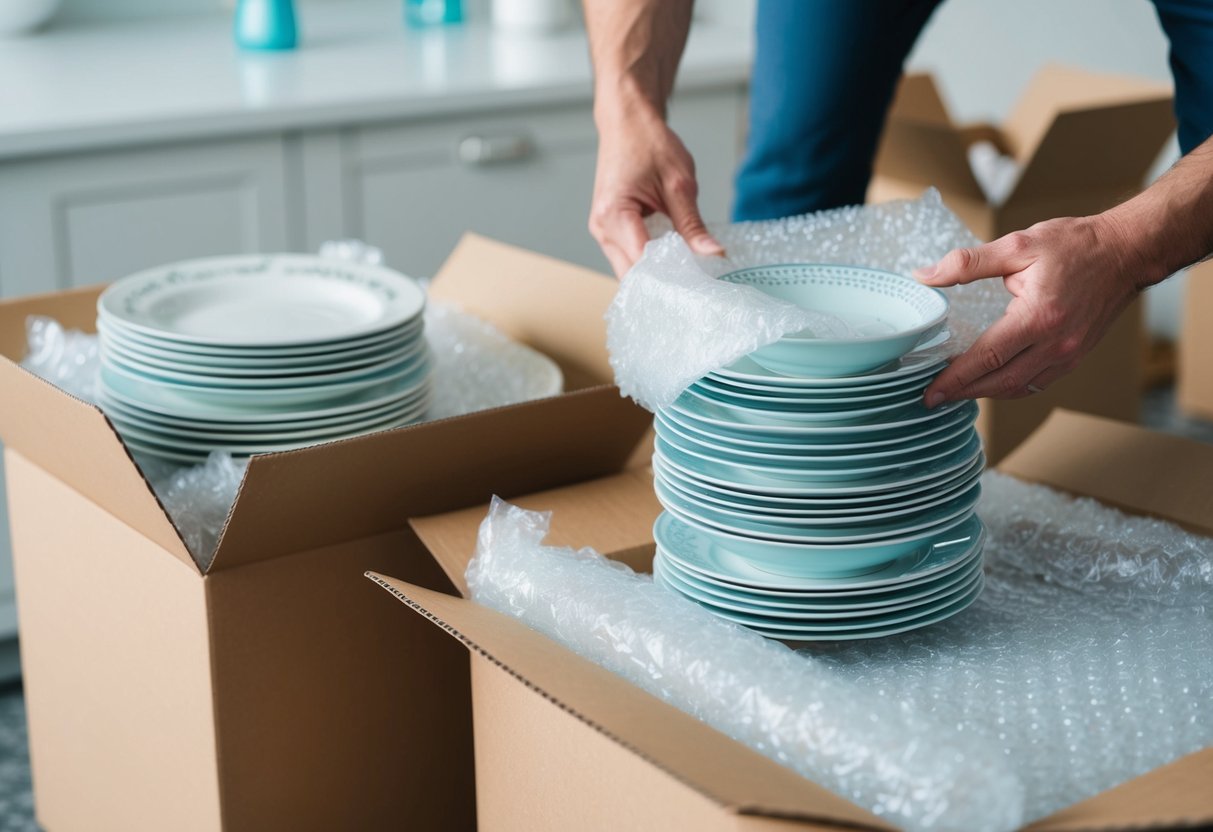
(260, 353)
(818, 508)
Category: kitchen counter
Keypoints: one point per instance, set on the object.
(91, 87)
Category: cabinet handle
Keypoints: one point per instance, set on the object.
(494, 150)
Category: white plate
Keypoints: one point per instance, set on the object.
(294, 378)
(726, 419)
(934, 597)
(704, 555)
(813, 443)
(189, 401)
(922, 361)
(870, 598)
(263, 300)
(168, 403)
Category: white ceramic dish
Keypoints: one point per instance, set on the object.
(262, 300)
(888, 314)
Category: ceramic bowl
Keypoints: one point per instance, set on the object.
(884, 315)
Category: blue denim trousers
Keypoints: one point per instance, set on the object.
(824, 75)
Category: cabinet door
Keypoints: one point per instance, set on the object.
(525, 178)
(75, 220)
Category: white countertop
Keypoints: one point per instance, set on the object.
(118, 84)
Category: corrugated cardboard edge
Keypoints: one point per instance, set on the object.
(460, 618)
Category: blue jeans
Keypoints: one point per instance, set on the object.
(824, 75)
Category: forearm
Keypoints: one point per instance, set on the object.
(635, 46)
(1170, 224)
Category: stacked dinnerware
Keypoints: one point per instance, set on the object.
(808, 493)
(260, 353)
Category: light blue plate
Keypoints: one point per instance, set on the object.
(857, 628)
(802, 560)
(841, 612)
(808, 397)
(814, 442)
(889, 315)
(925, 361)
(768, 425)
(725, 465)
(693, 552)
(808, 454)
(755, 599)
(807, 531)
(853, 517)
(815, 483)
(796, 410)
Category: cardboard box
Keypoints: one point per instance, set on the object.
(1194, 387)
(564, 744)
(278, 689)
(1084, 141)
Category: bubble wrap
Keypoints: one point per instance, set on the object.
(1087, 661)
(671, 321)
(475, 368)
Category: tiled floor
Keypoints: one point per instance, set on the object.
(16, 800)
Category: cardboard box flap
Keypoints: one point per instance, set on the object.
(613, 515)
(1109, 149)
(688, 750)
(1122, 465)
(548, 304)
(1174, 796)
(1055, 89)
(74, 309)
(921, 145)
(76, 443)
(373, 484)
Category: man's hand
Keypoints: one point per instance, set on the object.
(643, 167)
(1070, 279)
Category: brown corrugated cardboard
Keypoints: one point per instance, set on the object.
(562, 744)
(1194, 387)
(1084, 141)
(273, 690)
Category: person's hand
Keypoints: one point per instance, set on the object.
(643, 168)
(1070, 279)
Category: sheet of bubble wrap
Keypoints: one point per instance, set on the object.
(672, 321)
(476, 367)
(1087, 661)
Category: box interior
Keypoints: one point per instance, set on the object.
(1122, 465)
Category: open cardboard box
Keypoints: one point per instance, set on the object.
(1194, 384)
(1084, 141)
(278, 689)
(564, 744)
